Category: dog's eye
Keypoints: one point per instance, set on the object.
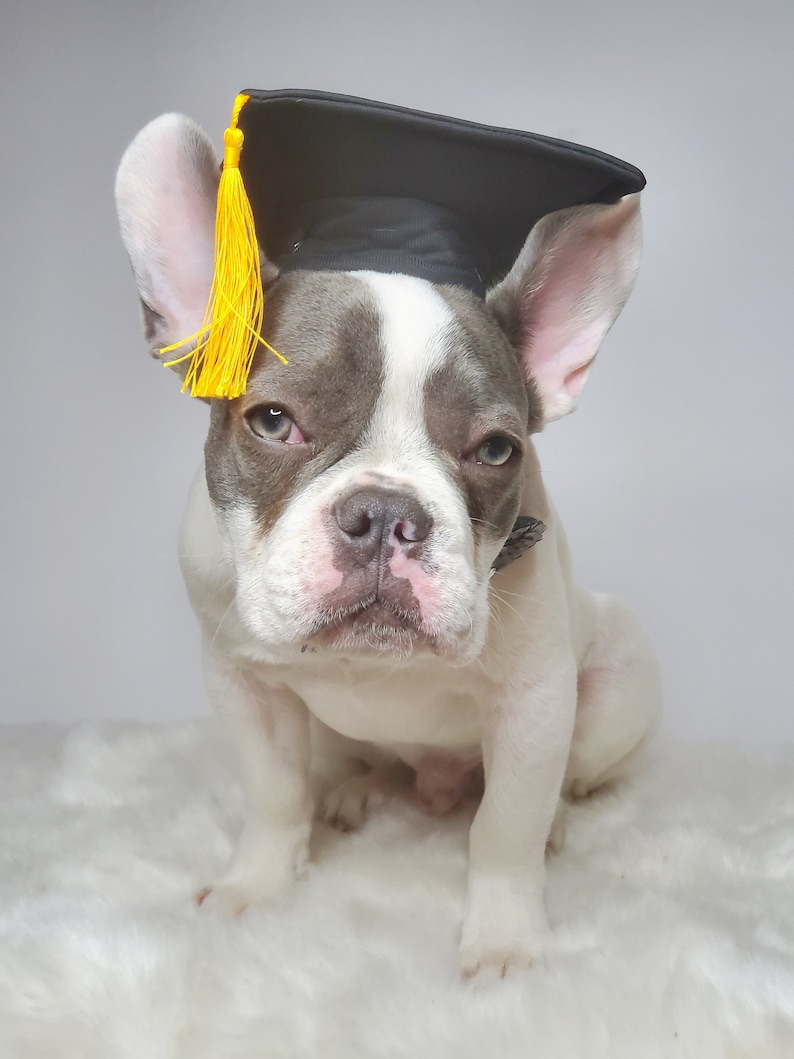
(494, 451)
(273, 424)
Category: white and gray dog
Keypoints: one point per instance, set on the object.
(340, 541)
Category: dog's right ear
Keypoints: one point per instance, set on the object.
(166, 191)
(564, 293)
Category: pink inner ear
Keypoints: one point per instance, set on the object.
(186, 239)
(559, 358)
(573, 277)
(166, 191)
(574, 383)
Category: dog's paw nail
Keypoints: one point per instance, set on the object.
(341, 823)
(226, 900)
(493, 966)
(554, 844)
(556, 839)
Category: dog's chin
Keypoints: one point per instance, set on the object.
(374, 628)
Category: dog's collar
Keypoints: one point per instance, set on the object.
(525, 533)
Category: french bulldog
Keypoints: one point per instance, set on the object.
(343, 543)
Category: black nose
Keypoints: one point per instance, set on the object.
(368, 517)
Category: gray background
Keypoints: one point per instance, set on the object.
(674, 476)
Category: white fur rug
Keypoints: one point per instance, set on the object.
(672, 905)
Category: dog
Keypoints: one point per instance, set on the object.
(342, 539)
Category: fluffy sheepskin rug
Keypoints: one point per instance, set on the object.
(672, 905)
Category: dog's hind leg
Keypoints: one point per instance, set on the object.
(346, 806)
(619, 699)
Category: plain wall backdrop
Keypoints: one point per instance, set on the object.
(673, 478)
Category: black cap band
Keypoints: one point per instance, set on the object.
(386, 234)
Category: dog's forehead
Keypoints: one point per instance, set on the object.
(354, 338)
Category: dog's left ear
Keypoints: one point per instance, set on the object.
(565, 291)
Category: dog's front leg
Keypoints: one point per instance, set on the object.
(526, 740)
(270, 726)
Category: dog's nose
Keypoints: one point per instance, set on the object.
(369, 517)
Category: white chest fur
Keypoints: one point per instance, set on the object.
(425, 704)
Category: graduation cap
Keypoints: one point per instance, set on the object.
(330, 182)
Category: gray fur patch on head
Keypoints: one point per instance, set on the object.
(481, 347)
(480, 390)
(326, 325)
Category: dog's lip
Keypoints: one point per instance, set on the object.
(373, 623)
(373, 609)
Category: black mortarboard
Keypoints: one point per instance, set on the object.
(335, 182)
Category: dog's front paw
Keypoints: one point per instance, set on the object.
(232, 895)
(486, 962)
(265, 865)
(497, 953)
(230, 899)
(502, 933)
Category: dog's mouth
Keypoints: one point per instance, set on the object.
(373, 625)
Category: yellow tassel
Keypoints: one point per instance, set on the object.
(229, 336)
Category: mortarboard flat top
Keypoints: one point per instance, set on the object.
(337, 182)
